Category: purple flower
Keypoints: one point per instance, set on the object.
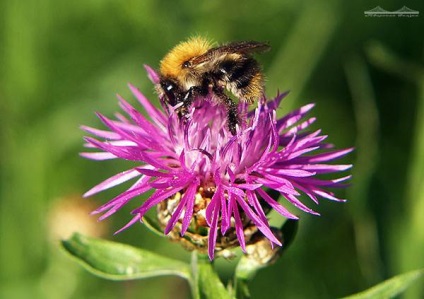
(199, 158)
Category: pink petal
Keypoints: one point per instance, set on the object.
(113, 181)
(275, 205)
(262, 226)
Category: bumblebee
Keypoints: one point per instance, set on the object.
(195, 68)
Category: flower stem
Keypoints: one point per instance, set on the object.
(194, 279)
(205, 281)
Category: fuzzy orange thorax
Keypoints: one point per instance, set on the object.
(171, 64)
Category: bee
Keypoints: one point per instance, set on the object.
(194, 68)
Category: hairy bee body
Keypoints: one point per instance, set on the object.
(196, 68)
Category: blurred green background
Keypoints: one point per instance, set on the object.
(60, 61)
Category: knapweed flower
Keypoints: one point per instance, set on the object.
(208, 184)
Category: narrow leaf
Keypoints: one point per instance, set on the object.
(116, 261)
(391, 287)
(289, 230)
(153, 225)
(248, 266)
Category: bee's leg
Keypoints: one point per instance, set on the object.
(233, 118)
(232, 110)
(189, 97)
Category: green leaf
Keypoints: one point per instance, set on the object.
(153, 226)
(242, 289)
(391, 287)
(209, 282)
(117, 261)
(289, 230)
(247, 267)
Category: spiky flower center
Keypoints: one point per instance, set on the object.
(196, 236)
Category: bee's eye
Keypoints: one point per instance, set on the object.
(186, 64)
(167, 85)
(170, 88)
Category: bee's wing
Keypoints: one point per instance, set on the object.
(244, 47)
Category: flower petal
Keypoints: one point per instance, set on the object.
(190, 195)
(261, 225)
(113, 181)
(275, 205)
(213, 231)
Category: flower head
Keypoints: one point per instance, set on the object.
(207, 180)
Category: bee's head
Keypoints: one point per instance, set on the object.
(177, 63)
(170, 90)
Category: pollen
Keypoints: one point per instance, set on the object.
(171, 64)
